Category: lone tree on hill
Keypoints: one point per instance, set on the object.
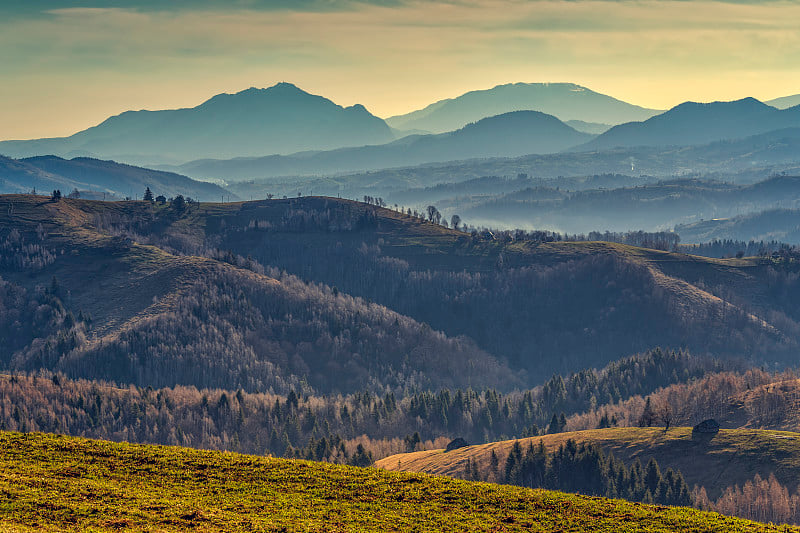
(148, 195)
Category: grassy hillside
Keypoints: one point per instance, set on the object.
(731, 457)
(58, 483)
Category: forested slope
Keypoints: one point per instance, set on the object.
(715, 462)
(193, 280)
(96, 306)
(314, 426)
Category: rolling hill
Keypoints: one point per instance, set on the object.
(785, 101)
(588, 127)
(149, 275)
(100, 486)
(731, 457)
(740, 161)
(778, 224)
(566, 101)
(649, 206)
(98, 179)
(694, 123)
(510, 134)
(581, 301)
(161, 318)
(278, 120)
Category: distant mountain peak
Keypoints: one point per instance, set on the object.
(279, 90)
(358, 108)
(281, 119)
(566, 101)
(743, 103)
(515, 117)
(285, 85)
(699, 123)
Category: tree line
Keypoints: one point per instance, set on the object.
(294, 423)
(584, 468)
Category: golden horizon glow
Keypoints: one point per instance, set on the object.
(68, 69)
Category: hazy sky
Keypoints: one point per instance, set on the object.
(67, 65)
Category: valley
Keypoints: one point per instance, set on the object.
(503, 311)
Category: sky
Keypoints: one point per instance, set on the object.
(67, 65)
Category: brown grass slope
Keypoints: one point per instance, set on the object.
(715, 462)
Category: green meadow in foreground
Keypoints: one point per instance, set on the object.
(50, 482)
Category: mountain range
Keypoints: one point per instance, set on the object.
(694, 123)
(566, 101)
(285, 131)
(279, 120)
(507, 135)
(746, 131)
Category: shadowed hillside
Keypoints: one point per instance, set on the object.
(541, 307)
(101, 306)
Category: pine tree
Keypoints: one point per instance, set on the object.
(648, 415)
(554, 426)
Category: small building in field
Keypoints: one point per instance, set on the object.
(707, 426)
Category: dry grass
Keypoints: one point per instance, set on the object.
(731, 457)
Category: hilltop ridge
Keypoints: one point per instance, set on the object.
(338, 264)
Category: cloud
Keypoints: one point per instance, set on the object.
(37, 7)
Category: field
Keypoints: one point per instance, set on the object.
(715, 462)
(50, 482)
